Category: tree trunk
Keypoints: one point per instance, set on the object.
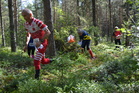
(15, 18)
(94, 20)
(107, 27)
(94, 12)
(135, 12)
(78, 14)
(12, 33)
(55, 4)
(54, 14)
(2, 28)
(110, 24)
(127, 37)
(49, 21)
(36, 8)
(120, 16)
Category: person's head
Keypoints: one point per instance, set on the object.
(27, 14)
(116, 27)
(80, 32)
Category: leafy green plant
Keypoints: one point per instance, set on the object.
(112, 71)
(35, 86)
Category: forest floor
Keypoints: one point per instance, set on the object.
(113, 71)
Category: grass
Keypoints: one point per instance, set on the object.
(112, 71)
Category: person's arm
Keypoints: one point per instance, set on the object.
(46, 35)
(44, 27)
(28, 38)
(27, 41)
(80, 38)
(120, 33)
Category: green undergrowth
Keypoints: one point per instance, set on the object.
(113, 71)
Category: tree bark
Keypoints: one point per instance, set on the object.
(12, 30)
(78, 14)
(36, 8)
(2, 28)
(135, 11)
(110, 24)
(94, 12)
(127, 37)
(94, 20)
(15, 18)
(51, 51)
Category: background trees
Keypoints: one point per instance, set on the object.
(69, 15)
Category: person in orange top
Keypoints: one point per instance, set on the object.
(117, 36)
(71, 39)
